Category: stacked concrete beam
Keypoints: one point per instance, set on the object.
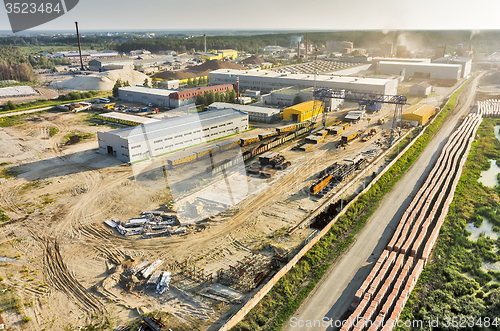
(391, 284)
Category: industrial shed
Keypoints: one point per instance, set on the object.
(303, 111)
(155, 139)
(145, 95)
(421, 70)
(419, 114)
(421, 90)
(255, 114)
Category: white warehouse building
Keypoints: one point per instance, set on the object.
(264, 80)
(421, 70)
(155, 139)
(145, 95)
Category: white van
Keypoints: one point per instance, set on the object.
(104, 100)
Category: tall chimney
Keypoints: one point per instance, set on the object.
(79, 46)
(298, 50)
(238, 88)
(307, 44)
(205, 39)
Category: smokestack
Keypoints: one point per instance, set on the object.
(298, 50)
(238, 88)
(205, 38)
(307, 44)
(79, 46)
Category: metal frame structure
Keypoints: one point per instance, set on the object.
(366, 98)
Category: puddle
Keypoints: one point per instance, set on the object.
(489, 178)
(497, 132)
(486, 227)
(491, 266)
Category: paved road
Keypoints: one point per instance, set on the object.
(333, 296)
(21, 112)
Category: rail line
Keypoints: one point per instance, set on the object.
(379, 301)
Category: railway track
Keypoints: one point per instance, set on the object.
(379, 301)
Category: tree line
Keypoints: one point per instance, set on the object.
(14, 66)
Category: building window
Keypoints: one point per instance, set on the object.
(136, 146)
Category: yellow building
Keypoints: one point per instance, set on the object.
(224, 54)
(303, 111)
(419, 113)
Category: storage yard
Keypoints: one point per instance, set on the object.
(110, 215)
(84, 190)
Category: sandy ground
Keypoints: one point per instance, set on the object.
(63, 193)
(43, 93)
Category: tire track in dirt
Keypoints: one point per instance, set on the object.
(62, 280)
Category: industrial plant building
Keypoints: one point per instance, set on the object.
(166, 98)
(418, 114)
(421, 70)
(145, 95)
(155, 139)
(186, 97)
(465, 62)
(224, 54)
(287, 97)
(264, 80)
(421, 90)
(303, 111)
(255, 114)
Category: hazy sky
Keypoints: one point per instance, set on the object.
(276, 14)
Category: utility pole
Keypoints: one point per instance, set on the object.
(79, 46)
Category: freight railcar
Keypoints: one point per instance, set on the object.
(182, 159)
(224, 146)
(266, 135)
(286, 128)
(248, 141)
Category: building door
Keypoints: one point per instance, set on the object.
(295, 117)
(110, 149)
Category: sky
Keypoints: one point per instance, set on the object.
(113, 15)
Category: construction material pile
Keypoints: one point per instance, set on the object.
(155, 278)
(335, 174)
(269, 163)
(103, 81)
(150, 224)
(247, 274)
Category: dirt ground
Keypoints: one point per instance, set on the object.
(65, 265)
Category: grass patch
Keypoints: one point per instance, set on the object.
(282, 301)
(53, 131)
(73, 138)
(10, 121)
(3, 218)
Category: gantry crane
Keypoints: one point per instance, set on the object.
(398, 100)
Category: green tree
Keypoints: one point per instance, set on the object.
(190, 82)
(117, 85)
(296, 100)
(230, 96)
(146, 82)
(201, 99)
(154, 82)
(126, 83)
(218, 97)
(210, 97)
(196, 81)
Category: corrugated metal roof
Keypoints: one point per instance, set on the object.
(245, 108)
(420, 110)
(147, 90)
(305, 106)
(127, 117)
(177, 124)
